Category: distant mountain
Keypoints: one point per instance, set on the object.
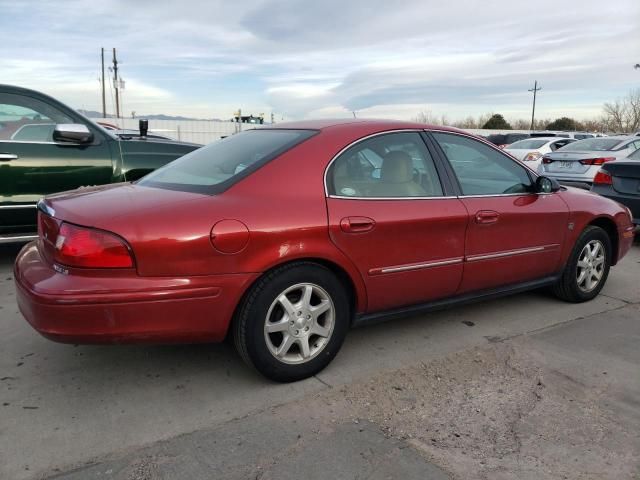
(94, 114)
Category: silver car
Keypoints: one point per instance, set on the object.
(578, 162)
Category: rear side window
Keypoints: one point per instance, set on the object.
(215, 167)
(480, 169)
(394, 165)
(527, 144)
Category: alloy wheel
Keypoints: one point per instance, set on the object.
(299, 323)
(591, 266)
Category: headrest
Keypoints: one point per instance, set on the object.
(397, 167)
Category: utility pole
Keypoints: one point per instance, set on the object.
(535, 90)
(104, 102)
(115, 82)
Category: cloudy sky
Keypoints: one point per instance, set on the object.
(306, 59)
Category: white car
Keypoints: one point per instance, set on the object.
(578, 163)
(531, 150)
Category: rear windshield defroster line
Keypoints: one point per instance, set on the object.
(214, 168)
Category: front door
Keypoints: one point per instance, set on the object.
(33, 165)
(514, 234)
(389, 212)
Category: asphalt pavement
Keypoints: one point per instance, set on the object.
(195, 411)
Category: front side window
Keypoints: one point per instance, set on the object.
(217, 166)
(480, 169)
(394, 165)
(27, 119)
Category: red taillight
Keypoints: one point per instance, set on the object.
(597, 161)
(90, 248)
(546, 160)
(602, 178)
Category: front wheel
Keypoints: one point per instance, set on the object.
(292, 322)
(588, 267)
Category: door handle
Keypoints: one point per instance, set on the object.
(485, 217)
(7, 157)
(357, 224)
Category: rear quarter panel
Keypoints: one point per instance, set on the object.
(587, 208)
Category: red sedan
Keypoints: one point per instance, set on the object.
(284, 237)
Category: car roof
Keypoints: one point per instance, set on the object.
(375, 124)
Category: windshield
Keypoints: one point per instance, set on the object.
(217, 166)
(592, 144)
(527, 144)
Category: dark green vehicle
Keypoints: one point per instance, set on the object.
(47, 147)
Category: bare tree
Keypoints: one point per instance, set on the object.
(426, 116)
(520, 124)
(623, 115)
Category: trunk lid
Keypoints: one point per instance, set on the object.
(626, 176)
(570, 162)
(153, 221)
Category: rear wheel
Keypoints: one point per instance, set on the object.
(588, 267)
(292, 322)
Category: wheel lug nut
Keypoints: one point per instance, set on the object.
(297, 332)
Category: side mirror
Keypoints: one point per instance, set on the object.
(72, 133)
(143, 126)
(546, 185)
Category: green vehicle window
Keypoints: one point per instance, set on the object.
(27, 119)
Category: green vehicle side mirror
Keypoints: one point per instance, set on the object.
(72, 133)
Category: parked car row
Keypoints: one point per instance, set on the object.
(504, 140)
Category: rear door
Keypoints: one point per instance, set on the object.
(514, 235)
(391, 211)
(33, 165)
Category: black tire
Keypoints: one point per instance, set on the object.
(567, 287)
(249, 323)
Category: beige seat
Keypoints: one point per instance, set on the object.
(396, 177)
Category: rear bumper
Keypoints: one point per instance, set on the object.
(121, 307)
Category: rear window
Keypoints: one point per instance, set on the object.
(497, 139)
(215, 167)
(527, 144)
(592, 144)
(514, 137)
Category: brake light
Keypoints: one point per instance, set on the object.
(597, 161)
(602, 178)
(90, 248)
(546, 160)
